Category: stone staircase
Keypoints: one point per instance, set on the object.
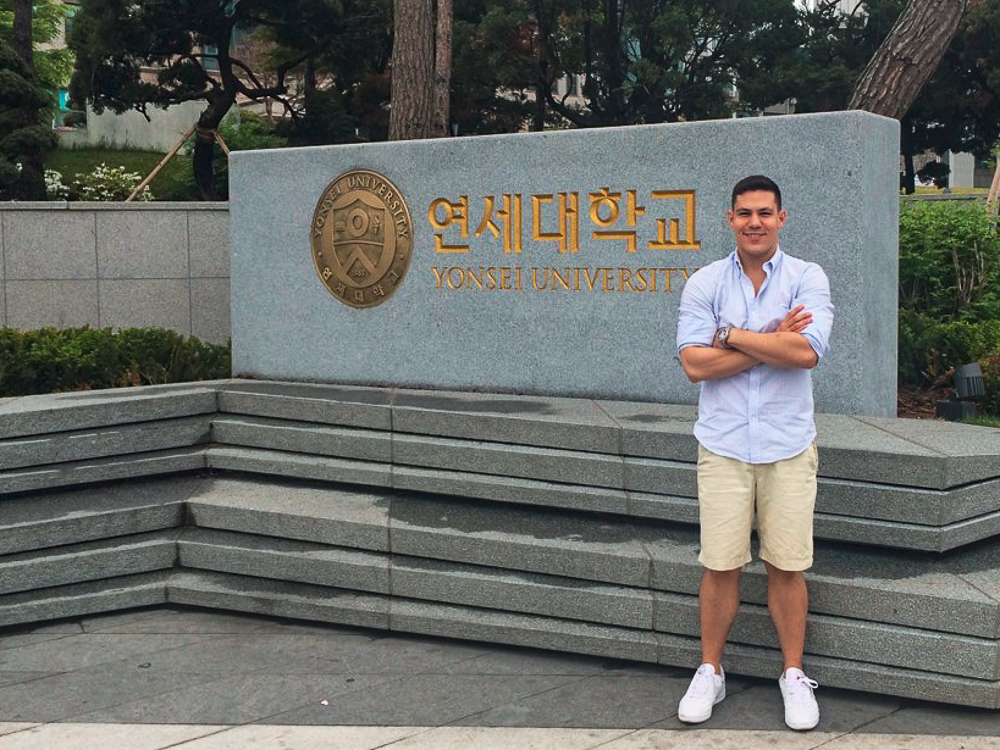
(555, 523)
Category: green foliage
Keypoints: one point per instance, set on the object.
(53, 66)
(50, 359)
(106, 183)
(24, 138)
(949, 260)
(929, 347)
(172, 183)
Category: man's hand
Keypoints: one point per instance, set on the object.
(796, 321)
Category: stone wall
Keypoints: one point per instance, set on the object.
(111, 265)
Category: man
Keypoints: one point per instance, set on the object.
(751, 328)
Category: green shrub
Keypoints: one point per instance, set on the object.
(949, 260)
(69, 359)
(928, 347)
(106, 183)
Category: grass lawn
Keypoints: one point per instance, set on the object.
(172, 183)
(983, 421)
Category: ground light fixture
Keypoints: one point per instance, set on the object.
(969, 388)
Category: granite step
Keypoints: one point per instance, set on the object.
(99, 442)
(163, 463)
(864, 512)
(903, 452)
(572, 599)
(325, 604)
(91, 597)
(86, 410)
(55, 518)
(88, 561)
(959, 593)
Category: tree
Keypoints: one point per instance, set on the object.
(190, 45)
(24, 136)
(908, 57)
(421, 69)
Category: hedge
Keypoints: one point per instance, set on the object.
(71, 359)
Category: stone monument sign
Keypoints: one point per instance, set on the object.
(551, 263)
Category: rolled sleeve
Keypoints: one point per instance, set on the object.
(814, 294)
(696, 322)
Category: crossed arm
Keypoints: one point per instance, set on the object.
(785, 347)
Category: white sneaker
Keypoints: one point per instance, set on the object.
(801, 710)
(706, 689)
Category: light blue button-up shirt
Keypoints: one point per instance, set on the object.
(765, 413)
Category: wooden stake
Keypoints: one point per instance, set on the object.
(991, 199)
(170, 155)
(222, 143)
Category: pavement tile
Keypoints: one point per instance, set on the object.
(90, 736)
(501, 660)
(63, 695)
(12, 678)
(911, 742)
(262, 737)
(721, 739)
(87, 650)
(237, 699)
(293, 653)
(760, 707)
(487, 738)
(599, 701)
(6, 727)
(423, 700)
(26, 639)
(174, 621)
(930, 718)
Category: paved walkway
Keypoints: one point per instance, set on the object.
(203, 680)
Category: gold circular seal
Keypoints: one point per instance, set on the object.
(361, 238)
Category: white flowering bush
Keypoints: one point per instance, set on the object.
(55, 190)
(110, 184)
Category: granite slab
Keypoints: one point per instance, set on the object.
(89, 561)
(306, 512)
(63, 412)
(299, 466)
(915, 589)
(60, 517)
(303, 437)
(328, 404)
(283, 559)
(169, 462)
(847, 638)
(513, 629)
(515, 591)
(548, 464)
(510, 489)
(116, 440)
(526, 539)
(91, 597)
(280, 598)
(566, 423)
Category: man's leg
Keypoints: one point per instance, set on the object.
(788, 603)
(718, 601)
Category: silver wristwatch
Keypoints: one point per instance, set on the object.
(722, 335)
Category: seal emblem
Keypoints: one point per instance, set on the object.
(361, 238)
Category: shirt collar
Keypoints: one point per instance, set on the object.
(773, 262)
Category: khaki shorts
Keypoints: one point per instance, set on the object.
(784, 495)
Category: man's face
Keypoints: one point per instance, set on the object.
(755, 220)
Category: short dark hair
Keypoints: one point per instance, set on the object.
(757, 182)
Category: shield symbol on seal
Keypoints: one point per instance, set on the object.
(359, 240)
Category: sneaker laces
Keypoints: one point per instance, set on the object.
(800, 688)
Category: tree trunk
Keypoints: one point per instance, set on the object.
(31, 183)
(442, 68)
(412, 94)
(202, 160)
(908, 57)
